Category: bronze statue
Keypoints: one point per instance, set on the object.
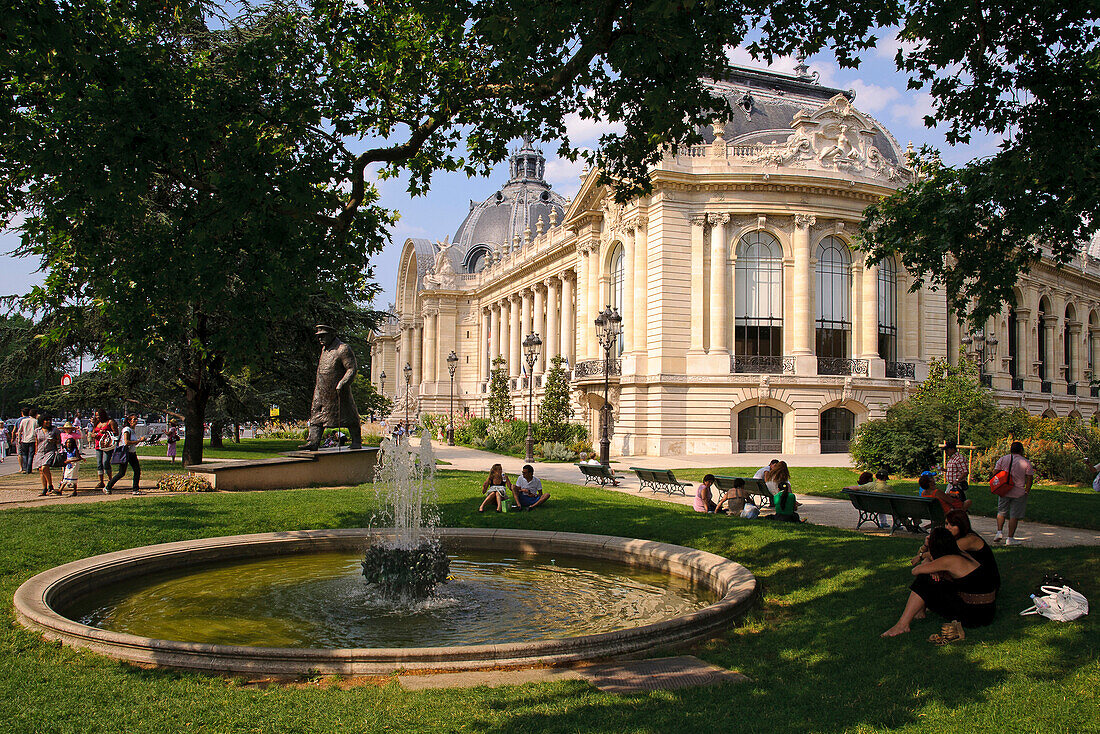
(333, 405)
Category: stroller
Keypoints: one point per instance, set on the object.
(153, 439)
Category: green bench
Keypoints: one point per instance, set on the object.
(756, 490)
(659, 480)
(906, 509)
(597, 474)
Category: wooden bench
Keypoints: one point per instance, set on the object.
(755, 490)
(597, 474)
(906, 509)
(659, 480)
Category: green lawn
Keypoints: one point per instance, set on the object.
(248, 448)
(811, 649)
(1072, 506)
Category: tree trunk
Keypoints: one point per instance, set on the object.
(193, 419)
(237, 432)
(216, 428)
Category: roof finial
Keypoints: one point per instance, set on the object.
(801, 70)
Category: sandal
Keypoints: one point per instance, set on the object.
(950, 632)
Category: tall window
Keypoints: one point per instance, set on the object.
(1013, 345)
(1043, 371)
(837, 427)
(1090, 341)
(888, 310)
(759, 429)
(833, 296)
(1067, 347)
(758, 307)
(617, 292)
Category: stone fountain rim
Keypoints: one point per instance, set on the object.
(35, 598)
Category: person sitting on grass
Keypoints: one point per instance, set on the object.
(951, 584)
(496, 488)
(733, 499)
(527, 490)
(703, 501)
(785, 504)
(958, 524)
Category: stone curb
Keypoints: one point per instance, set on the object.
(36, 599)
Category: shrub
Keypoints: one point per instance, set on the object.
(472, 432)
(554, 451)
(500, 403)
(184, 483)
(555, 412)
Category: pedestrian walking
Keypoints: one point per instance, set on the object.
(1013, 504)
(47, 444)
(25, 437)
(128, 444)
(3, 441)
(104, 439)
(172, 437)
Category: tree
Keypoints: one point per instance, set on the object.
(27, 365)
(949, 404)
(367, 399)
(1030, 74)
(555, 412)
(500, 404)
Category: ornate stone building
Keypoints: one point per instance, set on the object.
(749, 322)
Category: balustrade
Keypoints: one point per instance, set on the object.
(755, 364)
(842, 366)
(595, 368)
(901, 370)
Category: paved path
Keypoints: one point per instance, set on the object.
(819, 510)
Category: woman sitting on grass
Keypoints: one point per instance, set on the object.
(785, 504)
(496, 488)
(957, 523)
(952, 584)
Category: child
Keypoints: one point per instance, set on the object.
(73, 457)
(785, 504)
(172, 437)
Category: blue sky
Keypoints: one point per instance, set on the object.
(880, 91)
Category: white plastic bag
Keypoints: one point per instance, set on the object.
(750, 511)
(1096, 483)
(1060, 604)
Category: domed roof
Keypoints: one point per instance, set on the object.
(515, 208)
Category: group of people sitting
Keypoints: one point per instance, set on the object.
(526, 492)
(738, 501)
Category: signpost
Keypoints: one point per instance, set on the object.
(274, 412)
(66, 380)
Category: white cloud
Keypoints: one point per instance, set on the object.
(889, 46)
(913, 108)
(582, 131)
(872, 97)
(740, 56)
(565, 175)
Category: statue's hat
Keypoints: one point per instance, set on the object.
(323, 329)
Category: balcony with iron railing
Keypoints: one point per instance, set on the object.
(1071, 388)
(1018, 384)
(901, 370)
(843, 366)
(1095, 391)
(1044, 386)
(745, 364)
(595, 368)
(986, 380)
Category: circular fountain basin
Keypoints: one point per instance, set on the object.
(53, 601)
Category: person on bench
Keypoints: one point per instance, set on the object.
(868, 482)
(528, 490)
(733, 499)
(949, 502)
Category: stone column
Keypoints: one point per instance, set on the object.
(869, 318)
(581, 343)
(431, 323)
(515, 337)
(417, 354)
(551, 342)
(641, 285)
(1048, 358)
(506, 334)
(494, 335)
(483, 355)
(626, 308)
(538, 326)
(592, 349)
(805, 362)
(719, 292)
(698, 232)
(568, 320)
(405, 357)
(1025, 350)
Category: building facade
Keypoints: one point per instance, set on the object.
(750, 323)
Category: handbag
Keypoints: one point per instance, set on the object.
(1060, 604)
(1000, 483)
(120, 455)
(106, 441)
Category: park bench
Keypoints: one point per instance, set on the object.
(901, 507)
(597, 474)
(756, 490)
(659, 480)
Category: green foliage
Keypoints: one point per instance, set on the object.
(500, 404)
(367, 398)
(1060, 449)
(1030, 79)
(473, 432)
(406, 573)
(26, 368)
(184, 483)
(553, 451)
(555, 411)
(907, 439)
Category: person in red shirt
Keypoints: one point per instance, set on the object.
(948, 501)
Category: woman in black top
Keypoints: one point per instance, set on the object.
(496, 488)
(951, 583)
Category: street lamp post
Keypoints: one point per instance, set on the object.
(408, 386)
(382, 391)
(981, 346)
(532, 345)
(609, 325)
(452, 365)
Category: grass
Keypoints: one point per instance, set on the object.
(1072, 506)
(248, 448)
(811, 649)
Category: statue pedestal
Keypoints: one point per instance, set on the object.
(324, 468)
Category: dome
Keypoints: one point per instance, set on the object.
(491, 225)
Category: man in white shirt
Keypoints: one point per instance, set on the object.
(527, 490)
(24, 436)
(765, 469)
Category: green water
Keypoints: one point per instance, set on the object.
(321, 601)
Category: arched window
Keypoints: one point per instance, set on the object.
(617, 291)
(477, 259)
(888, 310)
(837, 426)
(759, 430)
(833, 297)
(758, 288)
